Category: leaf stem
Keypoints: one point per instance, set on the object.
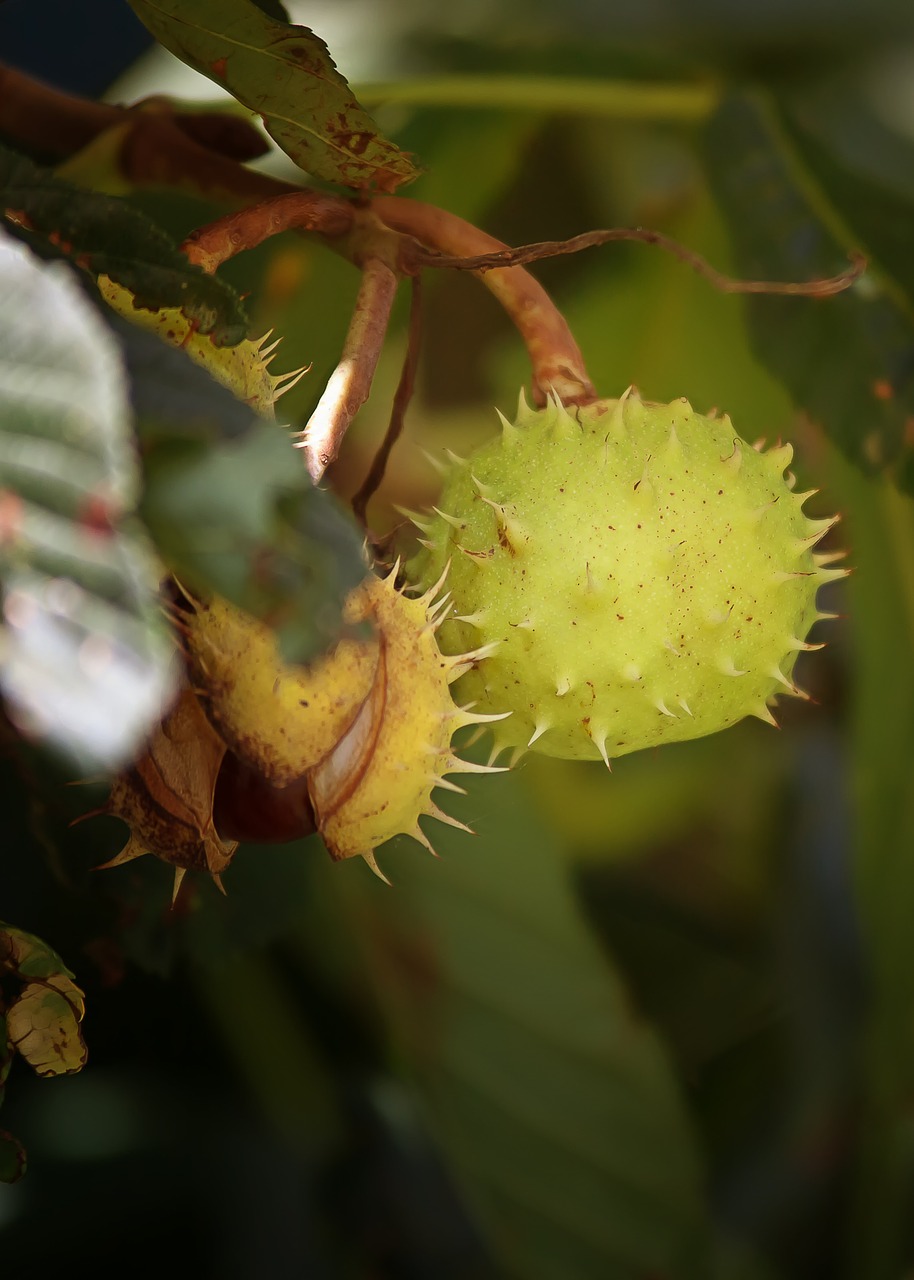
(348, 386)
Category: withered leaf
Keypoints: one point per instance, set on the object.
(166, 798)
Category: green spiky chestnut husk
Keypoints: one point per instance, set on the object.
(633, 573)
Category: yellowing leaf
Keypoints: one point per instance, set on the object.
(42, 1022)
(106, 236)
(242, 368)
(43, 1025)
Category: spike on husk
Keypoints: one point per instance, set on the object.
(243, 368)
(166, 797)
(376, 780)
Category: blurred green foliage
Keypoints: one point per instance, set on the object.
(653, 1024)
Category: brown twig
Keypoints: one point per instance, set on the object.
(304, 210)
(555, 356)
(402, 398)
(499, 259)
(348, 386)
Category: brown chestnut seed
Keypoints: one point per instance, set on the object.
(247, 807)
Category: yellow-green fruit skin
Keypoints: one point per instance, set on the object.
(281, 719)
(644, 575)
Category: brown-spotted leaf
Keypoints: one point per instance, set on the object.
(42, 1020)
(286, 74)
(43, 1026)
(105, 236)
(44, 1009)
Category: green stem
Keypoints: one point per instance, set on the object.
(624, 100)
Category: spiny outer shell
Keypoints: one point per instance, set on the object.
(278, 718)
(242, 368)
(648, 576)
(379, 777)
(166, 797)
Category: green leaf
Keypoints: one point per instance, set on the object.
(473, 156)
(12, 1158)
(106, 236)
(881, 598)
(554, 1104)
(847, 360)
(840, 113)
(243, 519)
(227, 496)
(865, 170)
(85, 657)
(285, 74)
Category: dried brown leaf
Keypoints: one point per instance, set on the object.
(166, 798)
